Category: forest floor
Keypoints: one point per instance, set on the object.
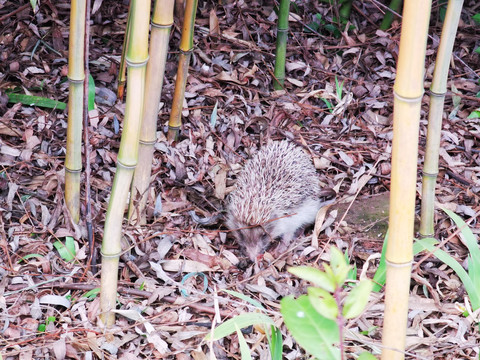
(46, 307)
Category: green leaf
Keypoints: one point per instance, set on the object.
(472, 245)
(316, 334)
(339, 88)
(41, 328)
(244, 349)
(357, 299)
(317, 277)
(352, 273)
(323, 302)
(91, 92)
(475, 114)
(366, 356)
(36, 101)
(275, 342)
(50, 319)
(92, 293)
(339, 266)
(472, 290)
(330, 106)
(244, 298)
(381, 273)
(29, 256)
(476, 18)
(241, 321)
(477, 50)
(67, 251)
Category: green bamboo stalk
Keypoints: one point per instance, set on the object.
(162, 22)
(408, 93)
(186, 48)
(76, 77)
(137, 56)
(281, 46)
(438, 90)
(389, 16)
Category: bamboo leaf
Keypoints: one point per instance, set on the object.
(67, 250)
(36, 101)
(244, 298)
(241, 321)
(473, 292)
(91, 92)
(244, 349)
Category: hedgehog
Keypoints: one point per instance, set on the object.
(277, 194)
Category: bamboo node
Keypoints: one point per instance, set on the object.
(399, 265)
(161, 26)
(187, 52)
(128, 167)
(437, 94)
(429, 175)
(147, 142)
(138, 64)
(76, 81)
(73, 171)
(111, 256)
(408, 99)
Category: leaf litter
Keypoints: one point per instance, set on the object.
(47, 306)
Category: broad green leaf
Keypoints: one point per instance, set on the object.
(244, 298)
(244, 349)
(36, 101)
(316, 334)
(472, 290)
(339, 266)
(366, 356)
(357, 299)
(241, 321)
(476, 18)
(317, 277)
(323, 302)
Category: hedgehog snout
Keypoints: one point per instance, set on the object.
(253, 241)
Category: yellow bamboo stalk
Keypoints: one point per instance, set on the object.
(137, 56)
(162, 22)
(186, 48)
(438, 89)
(408, 91)
(76, 77)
